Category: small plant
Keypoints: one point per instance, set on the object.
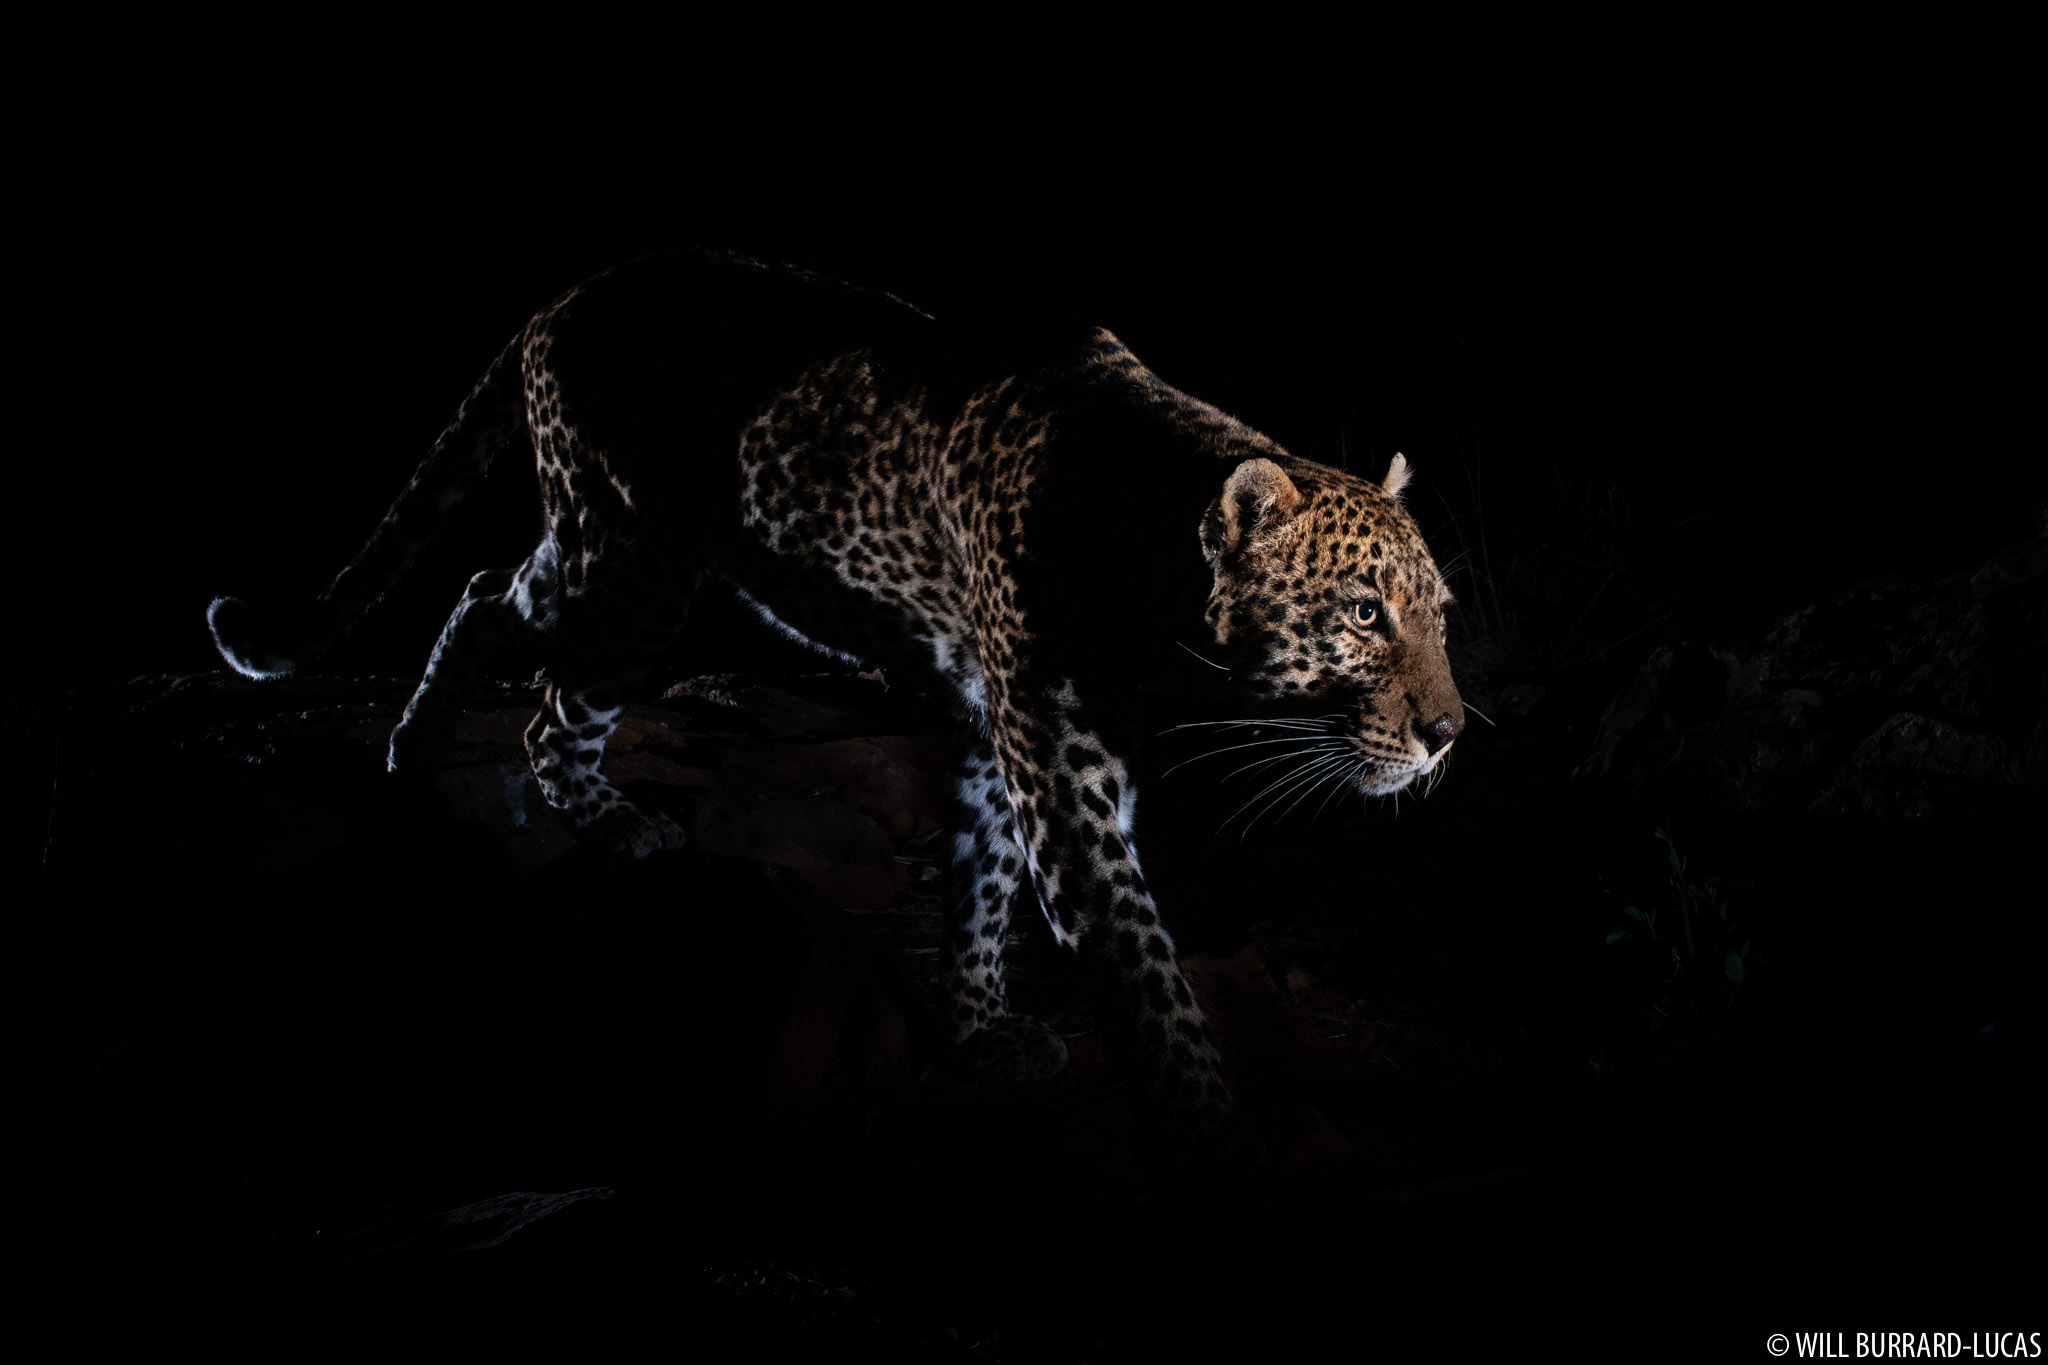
(1698, 946)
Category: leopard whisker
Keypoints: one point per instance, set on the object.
(1310, 791)
(1477, 712)
(1277, 758)
(1343, 781)
(1255, 797)
(1318, 723)
(1212, 663)
(1326, 719)
(1248, 744)
(1307, 780)
(1279, 787)
(1283, 779)
(1436, 774)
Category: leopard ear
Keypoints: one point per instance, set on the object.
(1257, 496)
(1397, 476)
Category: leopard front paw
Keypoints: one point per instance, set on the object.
(1014, 1048)
(626, 829)
(656, 833)
(1226, 1136)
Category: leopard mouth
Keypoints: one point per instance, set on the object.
(1386, 771)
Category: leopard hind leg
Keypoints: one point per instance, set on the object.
(985, 877)
(500, 608)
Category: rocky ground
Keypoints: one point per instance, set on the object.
(327, 1040)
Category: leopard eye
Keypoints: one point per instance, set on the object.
(1365, 614)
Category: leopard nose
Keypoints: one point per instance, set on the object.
(1441, 731)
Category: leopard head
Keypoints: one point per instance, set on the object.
(1328, 607)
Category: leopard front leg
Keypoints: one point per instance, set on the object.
(984, 878)
(1073, 805)
(565, 742)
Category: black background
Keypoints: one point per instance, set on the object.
(1776, 328)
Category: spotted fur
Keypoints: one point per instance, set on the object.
(1025, 523)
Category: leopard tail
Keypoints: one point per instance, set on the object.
(272, 643)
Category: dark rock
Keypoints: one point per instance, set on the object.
(823, 705)
(843, 855)
(1913, 767)
(1704, 719)
(1896, 700)
(898, 780)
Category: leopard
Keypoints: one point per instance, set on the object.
(1020, 517)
